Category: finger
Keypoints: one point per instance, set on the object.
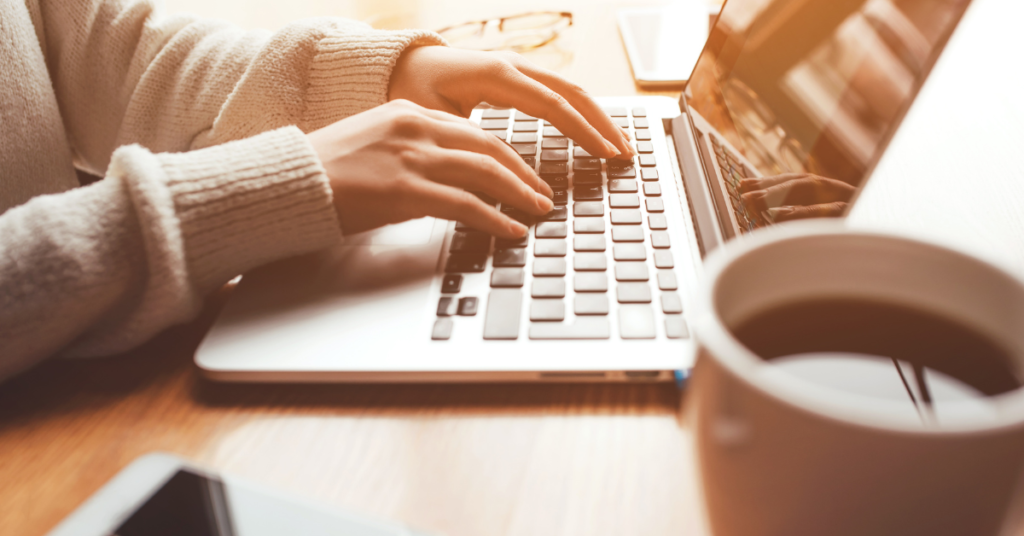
(749, 185)
(426, 198)
(579, 100)
(516, 90)
(481, 173)
(470, 138)
(824, 210)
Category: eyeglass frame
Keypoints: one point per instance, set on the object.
(567, 15)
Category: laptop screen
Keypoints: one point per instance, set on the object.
(811, 91)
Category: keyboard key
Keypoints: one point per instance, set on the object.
(555, 143)
(649, 174)
(671, 303)
(640, 122)
(520, 116)
(622, 122)
(647, 160)
(557, 214)
(588, 242)
(549, 247)
(621, 186)
(629, 252)
(468, 306)
(621, 173)
(554, 168)
(554, 156)
(552, 132)
(616, 111)
(510, 257)
(659, 239)
(639, 112)
(633, 293)
(442, 329)
(518, 215)
(560, 197)
(547, 310)
(591, 304)
(654, 204)
(588, 193)
(642, 147)
(636, 322)
(657, 222)
(627, 233)
(459, 226)
(581, 179)
(506, 243)
(590, 282)
(631, 271)
(525, 126)
(619, 163)
(524, 137)
(551, 229)
(548, 288)
(589, 262)
(525, 150)
(642, 134)
(451, 284)
(624, 216)
(624, 201)
(588, 208)
(663, 259)
(556, 182)
(446, 306)
(500, 134)
(549, 267)
(508, 277)
(588, 225)
(675, 327)
(652, 189)
(466, 262)
(530, 161)
(470, 242)
(667, 280)
(504, 307)
(586, 327)
(579, 152)
(592, 165)
(494, 124)
(495, 114)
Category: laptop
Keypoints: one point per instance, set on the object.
(788, 110)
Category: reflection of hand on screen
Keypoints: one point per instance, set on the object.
(794, 196)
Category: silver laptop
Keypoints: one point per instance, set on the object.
(802, 95)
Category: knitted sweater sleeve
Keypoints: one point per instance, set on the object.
(198, 130)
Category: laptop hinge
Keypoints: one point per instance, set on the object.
(697, 194)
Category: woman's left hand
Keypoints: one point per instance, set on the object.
(456, 81)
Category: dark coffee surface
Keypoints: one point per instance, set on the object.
(832, 334)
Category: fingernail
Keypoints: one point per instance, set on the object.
(516, 228)
(612, 149)
(544, 203)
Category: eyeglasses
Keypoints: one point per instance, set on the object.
(518, 32)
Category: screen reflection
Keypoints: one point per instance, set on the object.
(810, 92)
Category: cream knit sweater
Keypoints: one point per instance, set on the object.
(197, 127)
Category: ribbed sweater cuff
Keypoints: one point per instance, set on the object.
(351, 71)
(249, 202)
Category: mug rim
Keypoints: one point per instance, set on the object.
(718, 342)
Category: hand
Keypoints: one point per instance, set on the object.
(400, 161)
(793, 196)
(456, 81)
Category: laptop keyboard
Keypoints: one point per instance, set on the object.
(605, 245)
(733, 171)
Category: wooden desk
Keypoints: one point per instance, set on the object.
(455, 460)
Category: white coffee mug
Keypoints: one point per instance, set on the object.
(783, 456)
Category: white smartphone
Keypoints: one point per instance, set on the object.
(163, 495)
(663, 43)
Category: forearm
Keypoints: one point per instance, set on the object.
(101, 269)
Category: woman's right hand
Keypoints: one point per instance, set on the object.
(400, 161)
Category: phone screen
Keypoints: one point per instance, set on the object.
(187, 504)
